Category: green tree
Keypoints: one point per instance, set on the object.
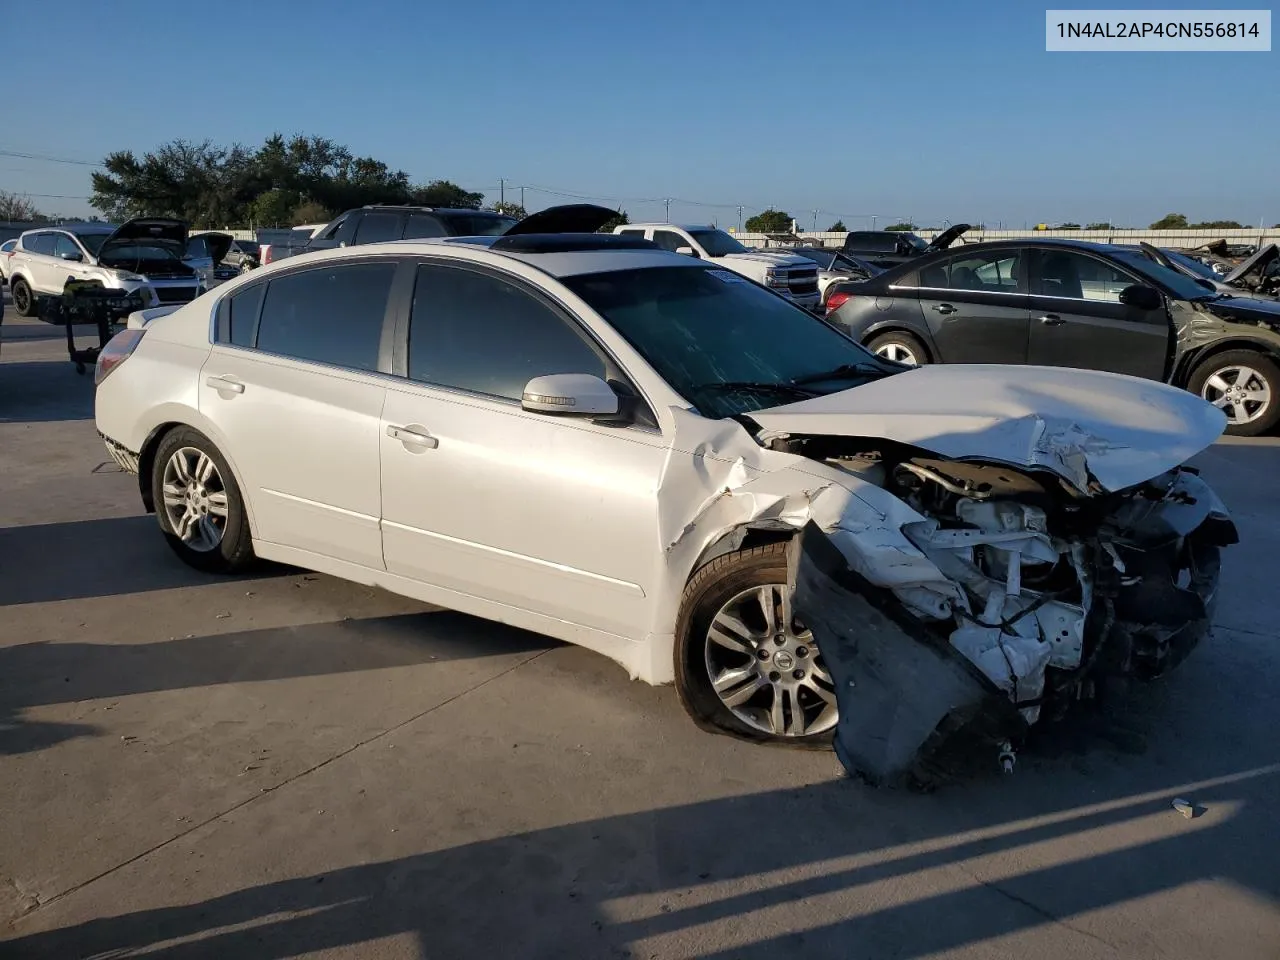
(1171, 221)
(621, 220)
(1068, 226)
(769, 221)
(1099, 225)
(309, 212)
(19, 209)
(904, 226)
(442, 193)
(1217, 225)
(837, 227)
(274, 208)
(509, 208)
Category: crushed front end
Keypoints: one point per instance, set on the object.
(1043, 591)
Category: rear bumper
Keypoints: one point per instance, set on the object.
(122, 455)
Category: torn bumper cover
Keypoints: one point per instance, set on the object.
(1023, 624)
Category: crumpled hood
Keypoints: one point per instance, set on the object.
(1078, 423)
(771, 258)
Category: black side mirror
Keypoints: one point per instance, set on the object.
(1141, 297)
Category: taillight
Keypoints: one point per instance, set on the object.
(264, 254)
(837, 300)
(118, 349)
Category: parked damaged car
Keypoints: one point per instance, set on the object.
(1258, 276)
(1072, 303)
(564, 432)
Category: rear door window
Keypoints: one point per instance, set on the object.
(238, 316)
(39, 243)
(331, 314)
(378, 227)
(991, 272)
(424, 226)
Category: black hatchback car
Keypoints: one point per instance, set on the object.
(1070, 303)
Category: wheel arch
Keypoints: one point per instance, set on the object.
(897, 326)
(1194, 358)
(191, 419)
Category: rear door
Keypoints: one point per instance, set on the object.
(1077, 319)
(976, 306)
(293, 385)
(46, 272)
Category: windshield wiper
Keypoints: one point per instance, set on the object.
(844, 371)
(760, 386)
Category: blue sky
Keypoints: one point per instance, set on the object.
(929, 110)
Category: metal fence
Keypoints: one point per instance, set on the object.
(1158, 238)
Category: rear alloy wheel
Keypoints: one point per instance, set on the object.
(198, 504)
(1245, 386)
(744, 665)
(23, 301)
(900, 348)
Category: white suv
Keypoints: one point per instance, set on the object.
(145, 254)
(789, 274)
(614, 445)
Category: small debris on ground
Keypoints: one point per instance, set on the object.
(1184, 807)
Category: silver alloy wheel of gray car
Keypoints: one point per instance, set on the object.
(1240, 392)
(898, 353)
(765, 667)
(195, 499)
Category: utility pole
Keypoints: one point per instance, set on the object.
(667, 215)
(815, 221)
(522, 197)
(873, 221)
(739, 218)
(502, 192)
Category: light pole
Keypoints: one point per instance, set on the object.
(667, 215)
(873, 221)
(815, 221)
(502, 192)
(739, 218)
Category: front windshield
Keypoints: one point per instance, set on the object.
(717, 243)
(702, 328)
(92, 241)
(1192, 264)
(1179, 284)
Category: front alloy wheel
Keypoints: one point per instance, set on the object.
(765, 668)
(1243, 384)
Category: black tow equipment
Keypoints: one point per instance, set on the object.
(89, 302)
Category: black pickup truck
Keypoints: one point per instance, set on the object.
(888, 248)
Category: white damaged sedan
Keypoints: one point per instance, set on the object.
(631, 450)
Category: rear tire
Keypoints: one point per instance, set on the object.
(770, 684)
(198, 503)
(899, 347)
(24, 301)
(1243, 384)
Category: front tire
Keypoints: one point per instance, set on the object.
(24, 301)
(743, 665)
(198, 503)
(900, 348)
(1243, 384)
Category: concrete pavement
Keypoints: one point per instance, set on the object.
(287, 765)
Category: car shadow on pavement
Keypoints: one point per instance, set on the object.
(43, 391)
(43, 674)
(98, 558)
(907, 876)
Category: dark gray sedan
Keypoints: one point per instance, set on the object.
(1071, 303)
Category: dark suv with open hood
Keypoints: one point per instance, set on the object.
(888, 248)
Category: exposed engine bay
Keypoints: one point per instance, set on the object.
(1046, 590)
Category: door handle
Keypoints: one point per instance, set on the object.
(944, 308)
(1052, 320)
(225, 383)
(413, 436)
